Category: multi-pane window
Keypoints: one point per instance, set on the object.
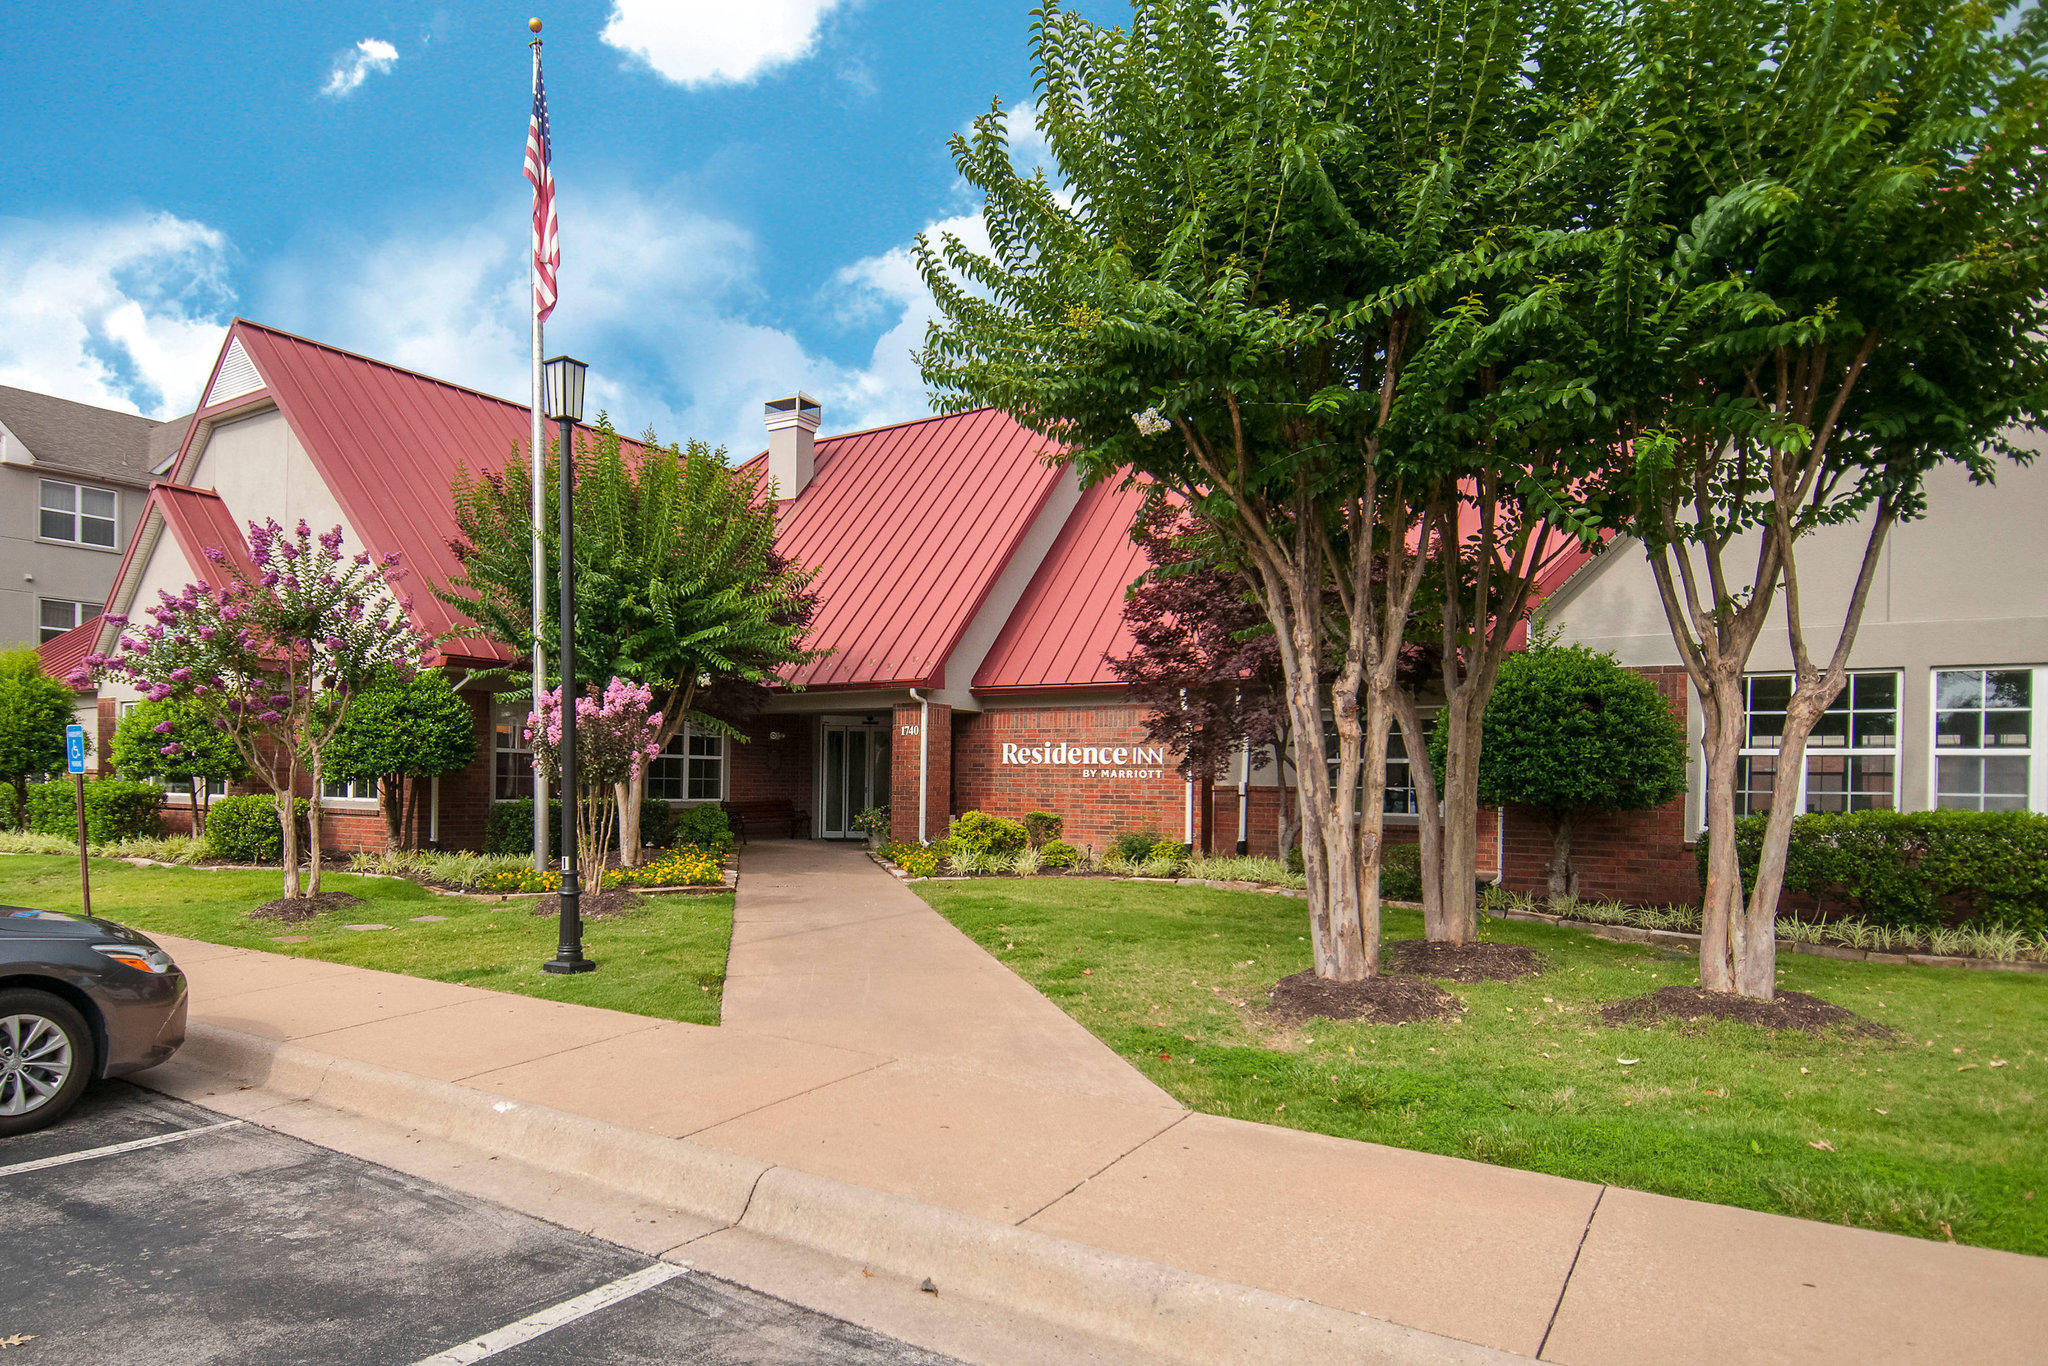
(1400, 798)
(78, 513)
(1852, 757)
(691, 768)
(511, 756)
(56, 616)
(1983, 738)
(362, 790)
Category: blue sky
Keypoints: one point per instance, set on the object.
(740, 181)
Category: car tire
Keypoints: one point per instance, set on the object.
(47, 1059)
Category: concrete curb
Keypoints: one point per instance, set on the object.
(1150, 1306)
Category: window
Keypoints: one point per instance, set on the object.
(511, 756)
(364, 790)
(691, 769)
(1400, 798)
(1983, 738)
(59, 616)
(1852, 757)
(78, 513)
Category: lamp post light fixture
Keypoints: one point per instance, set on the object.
(562, 395)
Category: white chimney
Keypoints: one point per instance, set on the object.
(792, 442)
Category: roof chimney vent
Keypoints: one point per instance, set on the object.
(792, 442)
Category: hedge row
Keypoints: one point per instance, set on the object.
(510, 828)
(1913, 869)
(115, 809)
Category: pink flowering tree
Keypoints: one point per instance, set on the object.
(272, 656)
(617, 733)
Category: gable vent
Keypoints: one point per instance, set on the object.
(237, 377)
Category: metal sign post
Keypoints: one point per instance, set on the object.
(74, 757)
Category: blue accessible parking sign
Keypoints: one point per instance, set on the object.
(74, 748)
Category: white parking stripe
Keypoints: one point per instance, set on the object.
(549, 1319)
(132, 1145)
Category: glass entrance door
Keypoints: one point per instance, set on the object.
(856, 775)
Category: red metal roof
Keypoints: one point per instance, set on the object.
(61, 654)
(388, 443)
(1069, 622)
(200, 521)
(909, 526)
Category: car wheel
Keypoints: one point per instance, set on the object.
(46, 1059)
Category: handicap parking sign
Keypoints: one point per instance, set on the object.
(74, 747)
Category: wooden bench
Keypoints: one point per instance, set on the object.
(765, 814)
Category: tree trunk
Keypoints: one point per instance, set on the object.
(390, 804)
(1564, 875)
(313, 814)
(288, 828)
(197, 787)
(1288, 830)
(1429, 811)
(1457, 920)
(630, 794)
(1721, 903)
(1329, 845)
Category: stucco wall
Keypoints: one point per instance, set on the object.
(32, 569)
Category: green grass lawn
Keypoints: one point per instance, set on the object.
(667, 960)
(1942, 1130)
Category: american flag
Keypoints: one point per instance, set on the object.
(547, 242)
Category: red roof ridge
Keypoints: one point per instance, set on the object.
(239, 321)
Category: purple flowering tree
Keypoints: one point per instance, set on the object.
(272, 656)
(617, 733)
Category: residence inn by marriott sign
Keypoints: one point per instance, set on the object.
(1093, 761)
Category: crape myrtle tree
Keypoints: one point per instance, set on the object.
(1202, 661)
(1238, 287)
(273, 656)
(1827, 281)
(678, 584)
(616, 734)
(1568, 730)
(401, 731)
(34, 710)
(173, 741)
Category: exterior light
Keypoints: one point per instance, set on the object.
(562, 388)
(1149, 422)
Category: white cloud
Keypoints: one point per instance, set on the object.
(352, 68)
(715, 42)
(122, 313)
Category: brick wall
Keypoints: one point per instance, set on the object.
(1644, 857)
(1094, 800)
(905, 755)
(765, 767)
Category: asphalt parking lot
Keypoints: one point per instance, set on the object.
(143, 1228)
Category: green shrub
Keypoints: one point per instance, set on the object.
(1043, 827)
(917, 862)
(980, 833)
(1058, 854)
(1913, 869)
(245, 830)
(705, 826)
(1165, 858)
(509, 829)
(1401, 872)
(1295, 865)
(1134, 846)
(115, 809)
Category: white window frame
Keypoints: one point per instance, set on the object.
(81, 612)
(353, 798)
(678, 748)
(1850, 751)
(2036, 752)
(1413, 813)
(78, 515)
(503, 714)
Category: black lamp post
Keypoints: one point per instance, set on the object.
(562, 390)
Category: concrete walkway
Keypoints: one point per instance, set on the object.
(866, 1039)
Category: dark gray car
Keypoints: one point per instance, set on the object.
(80, 998)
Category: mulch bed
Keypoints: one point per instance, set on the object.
(593, 905)
(293, 909)
(1791, 1010)
(1463, 962)
(1377, 1000)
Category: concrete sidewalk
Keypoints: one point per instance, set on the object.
(867, 1040)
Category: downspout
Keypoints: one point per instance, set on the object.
(924, 757)
(1500, 844)
(434, 811)
(1244, 782)
(1187, 829)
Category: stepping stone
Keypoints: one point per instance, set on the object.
(428, 919)
(366, 927)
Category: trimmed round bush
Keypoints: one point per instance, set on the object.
(980, 833)
(1043, 827)
(1058, 854)
(1401, 872)
(245, 829)
(509, 829)
(1135, 846)
(704, 826)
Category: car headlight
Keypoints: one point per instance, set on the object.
(153, 961)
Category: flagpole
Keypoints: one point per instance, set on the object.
(540, 572)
